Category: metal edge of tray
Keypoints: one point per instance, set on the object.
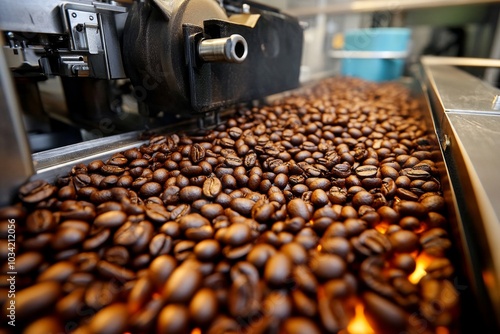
(480, 225)
(54, 163)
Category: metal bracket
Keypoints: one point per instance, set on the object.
(85, 31)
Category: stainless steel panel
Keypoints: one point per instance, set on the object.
(16, 165)
(468, 124)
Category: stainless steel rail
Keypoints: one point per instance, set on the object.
(467, 120)
(366, 6)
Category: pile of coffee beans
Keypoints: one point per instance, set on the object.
(284, 219)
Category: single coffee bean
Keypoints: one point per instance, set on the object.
(404, 241)
(366, 171)
(212, 187)
(190, 193)
(160, 244)
(207, 250)
(111, 319)
(183, 250)
(295, 252)
(327, 266)
(278, 269)
(110, 219)
(118, 255)
(237, 235)
(298, 208)
(33, 300)
(299, 325)
(160, 269)
(40, 221)
(113, 271)
(203, 307)
(173, 319)
(36, 191)
(242, 205)
(182, 284)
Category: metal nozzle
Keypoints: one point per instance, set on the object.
(232, 49)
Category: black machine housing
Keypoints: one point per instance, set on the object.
(161, 42)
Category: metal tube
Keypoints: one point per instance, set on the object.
(232, 49)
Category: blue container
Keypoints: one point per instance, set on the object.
(375, 54)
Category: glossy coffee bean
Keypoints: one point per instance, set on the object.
(182, 284)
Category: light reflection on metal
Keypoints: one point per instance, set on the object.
(496, 103)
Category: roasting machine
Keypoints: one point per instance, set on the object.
(189, 62)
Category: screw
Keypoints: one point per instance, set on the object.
(79, 27)
(73, 15)
(91, 18)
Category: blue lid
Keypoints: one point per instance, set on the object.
(377, 39)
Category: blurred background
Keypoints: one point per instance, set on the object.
(456, 28)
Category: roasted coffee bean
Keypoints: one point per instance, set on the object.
(40, 221)
(366, 171)
(389, 317)
(203, 307)
(113, 271)
(197, 153)
(336, 245)
(207, 250)
(111, 319)
(260, 254)
(410, 208)
(35, 299)
(327, 266)
(406, 195)
(435, 241)
(67, 237)
(298, 208)
(199, 233)
(97, 240)
(433, 203)
(160, 244)
(180, 211)
(404, 241)
(278, 269)
(212, 210)
(371, 242)
(118, 255)
(341, 170)
(110, 219)
(362, 198)
(242, 205)
(193, 220)
(190, 193)
(389, 188)
(36, 191)
(237, 235)
(183, 250)
(212, 187)
(182, 284)
(173, 319)
(295, 252)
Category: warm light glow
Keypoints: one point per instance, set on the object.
(319, 248)
(359, 324)
(422, 228)
(442, 330)
(156, 295)
(196, 331)
(423, 261)
(382, 227)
